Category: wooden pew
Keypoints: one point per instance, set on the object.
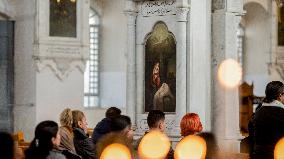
(90, 131)
(20, 141)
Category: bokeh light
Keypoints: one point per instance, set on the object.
(154, 145)
(230, 73)
(279, 149)
(116, 151)
(191, 147)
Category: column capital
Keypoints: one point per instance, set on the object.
(182, 13)
(131, 17)
(130, 7)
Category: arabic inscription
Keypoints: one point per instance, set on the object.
(158, 8)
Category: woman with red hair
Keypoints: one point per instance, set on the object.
(190, 124)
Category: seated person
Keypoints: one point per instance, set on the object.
(45, 142)
(66, 131)
(121, 132)
(190, 124)
(83, 144)
(66, 134)
(156, 122)
(103, 127)
(7, 150)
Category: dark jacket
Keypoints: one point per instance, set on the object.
(250, 138)
(102, 128)
(268, 129)
(83, 144)
(70, 155)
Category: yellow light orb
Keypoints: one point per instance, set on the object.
(279, 149)
(191, 147)
(116, 151)
(230, 73)
(154, 145)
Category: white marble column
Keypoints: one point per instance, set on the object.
(140, 60)
(225, 100)
(131, 14)
(181, 77)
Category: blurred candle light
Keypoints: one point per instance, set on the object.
(229, 73)
(116, 151)
(154, 145)
(279, 149)
(191, 147)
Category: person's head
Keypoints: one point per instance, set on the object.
(66, 118)
(112, 112)
(274, 91)
(156, 120)
(79, 120)
(46, 138)
(7, 146)
(211, 145)
(156, 68)
(47, 134)
(122, 124)
(190, 124)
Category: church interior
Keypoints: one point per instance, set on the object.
(139, 55)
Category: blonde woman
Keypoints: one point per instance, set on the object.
(66, 131)
(83, 144)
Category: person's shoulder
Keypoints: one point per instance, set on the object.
(104, 121)
(55, 155)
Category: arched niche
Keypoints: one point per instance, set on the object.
(160, 69)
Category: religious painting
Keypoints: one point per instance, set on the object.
(160, 70)
(281, 26)
(62, 18)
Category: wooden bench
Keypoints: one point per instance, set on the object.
(20, 141)
(90, 131)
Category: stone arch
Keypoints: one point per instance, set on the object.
(261, 3)
(257, 30)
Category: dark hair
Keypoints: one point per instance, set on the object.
(112, 112)
(154, 117)
(7, 146)
(42, 143)
(211, 145)
(273, 90)
(119, 123)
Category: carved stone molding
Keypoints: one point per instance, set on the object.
(62, 54)
(182, 14)
(172, 126)
(60, 67)
(131, 18)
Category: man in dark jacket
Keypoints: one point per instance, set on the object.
(83, 144)
(268, 122)
(103, 127)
